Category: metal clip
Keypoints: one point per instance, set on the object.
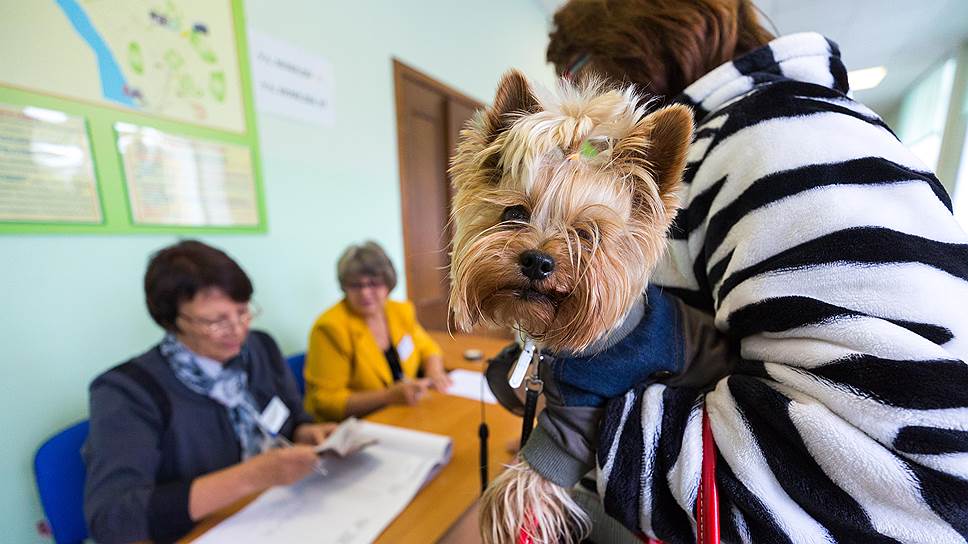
(533, 381)
(520, 368)
(534, 384)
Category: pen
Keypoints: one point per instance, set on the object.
(284, 442)
(280, 440)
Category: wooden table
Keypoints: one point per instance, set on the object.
(437, 506)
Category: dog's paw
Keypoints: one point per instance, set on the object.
(521, 501)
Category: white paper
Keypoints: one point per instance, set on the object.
(421, 444)
(290, 81)
(347, 439)
(352, 504)
(467, 383)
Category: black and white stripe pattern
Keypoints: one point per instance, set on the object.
(830, 252)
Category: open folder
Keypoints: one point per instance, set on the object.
(360, 495)
(348, 438)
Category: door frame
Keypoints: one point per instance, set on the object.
(401, 72)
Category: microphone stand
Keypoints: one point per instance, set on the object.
(483, 433)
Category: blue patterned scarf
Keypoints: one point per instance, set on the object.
(228, 388)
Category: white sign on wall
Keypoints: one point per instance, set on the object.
(291, 82)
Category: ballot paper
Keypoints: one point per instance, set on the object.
(346, 439)
(469, 384)
(360, 495)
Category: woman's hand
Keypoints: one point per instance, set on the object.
(439, 380)
(221, 488)
(434, 370)
(408, 392)
(282, 466)
(313, 433)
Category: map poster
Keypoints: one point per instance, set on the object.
(175, 59)
(178, 181)
(46, 171)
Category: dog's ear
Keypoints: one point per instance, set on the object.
(669, 132)
(514, 96)
(477, 158)
(654, 154)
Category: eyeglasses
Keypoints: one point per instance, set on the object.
(361, 285)
(218, 327)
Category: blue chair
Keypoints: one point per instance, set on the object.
(296, 364)
(59, 470)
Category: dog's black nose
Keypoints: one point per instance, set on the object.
(536, 265)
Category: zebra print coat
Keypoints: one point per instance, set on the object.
(830, 253)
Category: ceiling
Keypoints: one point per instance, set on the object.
(908, 37)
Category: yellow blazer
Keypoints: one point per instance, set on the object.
(343, 356)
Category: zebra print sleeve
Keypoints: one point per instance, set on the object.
(830, 253)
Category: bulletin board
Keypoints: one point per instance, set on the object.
(127, 117)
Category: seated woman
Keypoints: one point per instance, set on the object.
(364, 352)
(189, 426)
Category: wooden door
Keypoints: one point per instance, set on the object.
(430, 116)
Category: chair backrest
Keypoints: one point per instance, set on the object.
(59, 470)
(296, 363)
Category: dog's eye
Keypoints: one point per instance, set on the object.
(515, 213)
(584, 234)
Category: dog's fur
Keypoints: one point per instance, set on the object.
(588, 177)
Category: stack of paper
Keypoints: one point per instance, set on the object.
(471, 385)
(347, 439)
(353, 503)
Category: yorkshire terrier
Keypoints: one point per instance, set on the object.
(563, 202)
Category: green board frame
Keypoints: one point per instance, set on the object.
(108, 167)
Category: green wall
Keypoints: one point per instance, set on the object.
(72, 305)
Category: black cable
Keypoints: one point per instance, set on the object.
(483, 433)
(530, 405)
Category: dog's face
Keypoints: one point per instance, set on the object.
(561, 209)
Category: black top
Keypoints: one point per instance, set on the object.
(393, 359)
(151, 436)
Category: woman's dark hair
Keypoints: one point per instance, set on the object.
(660, 45)
(176, 273)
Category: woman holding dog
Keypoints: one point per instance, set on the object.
(827, 253)
(366, 351)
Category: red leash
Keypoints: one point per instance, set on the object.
(707, 502)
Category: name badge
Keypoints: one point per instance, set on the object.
(275, 414)
(405, 348)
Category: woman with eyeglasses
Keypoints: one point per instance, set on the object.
(366, 351)
(208, 416)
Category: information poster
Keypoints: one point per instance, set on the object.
(179, 181)
(174, 59)
(46, 170)
(291, 82)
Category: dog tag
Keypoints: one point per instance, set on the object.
(521, 367)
